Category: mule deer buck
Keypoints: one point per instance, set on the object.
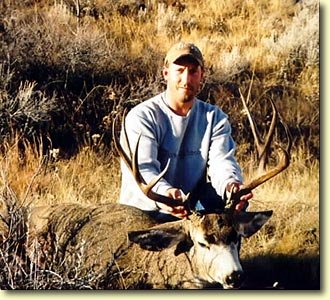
(126, 248)
(208, 239)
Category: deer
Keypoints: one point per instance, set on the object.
(126, 248)
(208, 239)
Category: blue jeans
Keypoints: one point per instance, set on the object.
(207, 199)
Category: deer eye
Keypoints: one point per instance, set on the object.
(211, 239)
(204, 245)
(232, 237)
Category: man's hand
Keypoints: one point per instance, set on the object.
(234, 187)
(177, 211)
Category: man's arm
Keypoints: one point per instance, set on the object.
(149, 165)
(224, 171)
(223, 167)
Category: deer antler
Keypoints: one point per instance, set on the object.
(283, 161)
(262, 146)
(132, 164)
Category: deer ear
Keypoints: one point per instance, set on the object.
(183, 246)
(159, 237)
(248, 223)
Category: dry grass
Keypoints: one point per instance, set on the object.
(290, 241)
(294, 198)
(89, 177)
(254, 33)
(291, 237)
(74, 60)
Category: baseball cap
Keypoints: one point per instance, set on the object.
(184, 49)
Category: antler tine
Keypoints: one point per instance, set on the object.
(283, 163)
(254, 130)
(262, 146)
(271, 129)
(132, 165)
(125, 132)
(119, 149)
(288, 135)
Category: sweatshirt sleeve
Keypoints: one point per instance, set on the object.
(223, 167)
(142, 123)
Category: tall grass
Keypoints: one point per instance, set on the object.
(72, 63)
(291, 235)
(87, 178)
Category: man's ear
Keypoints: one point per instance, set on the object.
(165, 72)
(203, 74)
(202, 81)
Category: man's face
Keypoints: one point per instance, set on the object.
(183, 79)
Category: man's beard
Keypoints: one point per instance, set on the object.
(190, 93)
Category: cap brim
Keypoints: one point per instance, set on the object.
(191, 57)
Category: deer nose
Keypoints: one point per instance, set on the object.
(235, 279)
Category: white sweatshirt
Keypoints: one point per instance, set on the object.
(200, 140)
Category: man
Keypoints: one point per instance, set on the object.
(194, 136)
